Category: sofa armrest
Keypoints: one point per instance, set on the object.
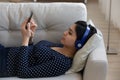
(97, 64)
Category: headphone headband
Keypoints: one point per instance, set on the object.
(79, 43)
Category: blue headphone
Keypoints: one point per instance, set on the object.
(79, 43)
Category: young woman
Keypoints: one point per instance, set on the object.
(44, 59)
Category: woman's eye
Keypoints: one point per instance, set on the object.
(70, 33)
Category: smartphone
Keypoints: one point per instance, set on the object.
(31, 14)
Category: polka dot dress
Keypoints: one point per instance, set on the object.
(37, 60)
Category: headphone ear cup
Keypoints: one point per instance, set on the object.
(78, 44)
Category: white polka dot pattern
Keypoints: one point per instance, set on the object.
(37, 61)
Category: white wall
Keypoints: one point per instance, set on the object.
(115, 11)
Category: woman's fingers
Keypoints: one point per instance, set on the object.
(33, 25)
(28, 26)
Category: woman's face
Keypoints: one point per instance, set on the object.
(69, 37)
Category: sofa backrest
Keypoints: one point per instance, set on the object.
(52, 20)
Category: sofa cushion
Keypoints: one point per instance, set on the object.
(81, 55)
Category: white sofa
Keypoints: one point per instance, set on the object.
(52, 20)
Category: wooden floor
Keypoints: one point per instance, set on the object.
(114, 67)
(98, 18)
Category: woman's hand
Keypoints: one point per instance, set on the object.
(26, 33)
(29, 32)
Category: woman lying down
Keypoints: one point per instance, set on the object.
(44, 59)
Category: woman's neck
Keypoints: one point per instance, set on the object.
(68, 51)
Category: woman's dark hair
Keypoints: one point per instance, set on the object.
(81, 28)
